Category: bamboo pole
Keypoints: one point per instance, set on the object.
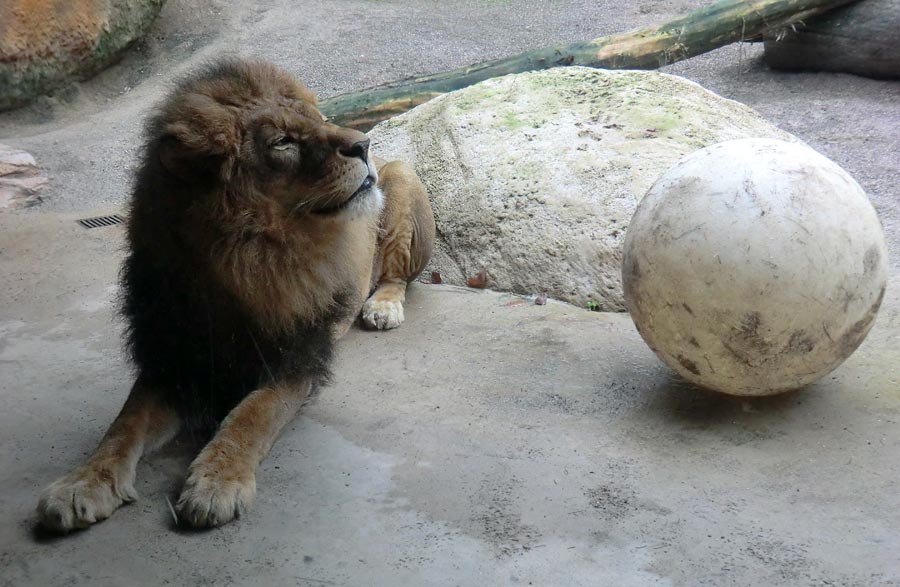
(700, 31)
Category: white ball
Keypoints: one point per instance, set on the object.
(754, 266)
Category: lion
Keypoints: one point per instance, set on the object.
(257, 233)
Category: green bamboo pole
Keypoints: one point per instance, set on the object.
(700, 31)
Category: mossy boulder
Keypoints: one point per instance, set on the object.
(47, 43)
(534, 177)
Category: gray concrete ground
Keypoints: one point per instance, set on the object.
(487, 442)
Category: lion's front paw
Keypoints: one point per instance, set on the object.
(382, 314)
(87, 495)
(213, 496)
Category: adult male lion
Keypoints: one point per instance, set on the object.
(257, 232)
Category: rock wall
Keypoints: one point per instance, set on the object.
(46, 43)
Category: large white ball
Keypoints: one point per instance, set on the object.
(754, 266)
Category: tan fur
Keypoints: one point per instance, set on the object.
(404, 244)
(221, 482)
(264, 236)
(95, 489)
(296, 266)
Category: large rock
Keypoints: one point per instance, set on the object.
(46, 43)
(534, 177)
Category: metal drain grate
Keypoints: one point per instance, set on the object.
(101, 221)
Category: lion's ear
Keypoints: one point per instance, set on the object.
(191, 164)
(179, 160)
(201, 142)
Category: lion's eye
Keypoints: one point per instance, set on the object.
(282, 143)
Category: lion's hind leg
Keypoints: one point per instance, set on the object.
(406, 238)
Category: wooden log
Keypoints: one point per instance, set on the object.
(863, 38)
(714, 26)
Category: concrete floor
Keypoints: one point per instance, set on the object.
(486, 442)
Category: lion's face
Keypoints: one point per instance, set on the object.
(307, 164)
(255, 130)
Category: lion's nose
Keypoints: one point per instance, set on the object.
(359, 148)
